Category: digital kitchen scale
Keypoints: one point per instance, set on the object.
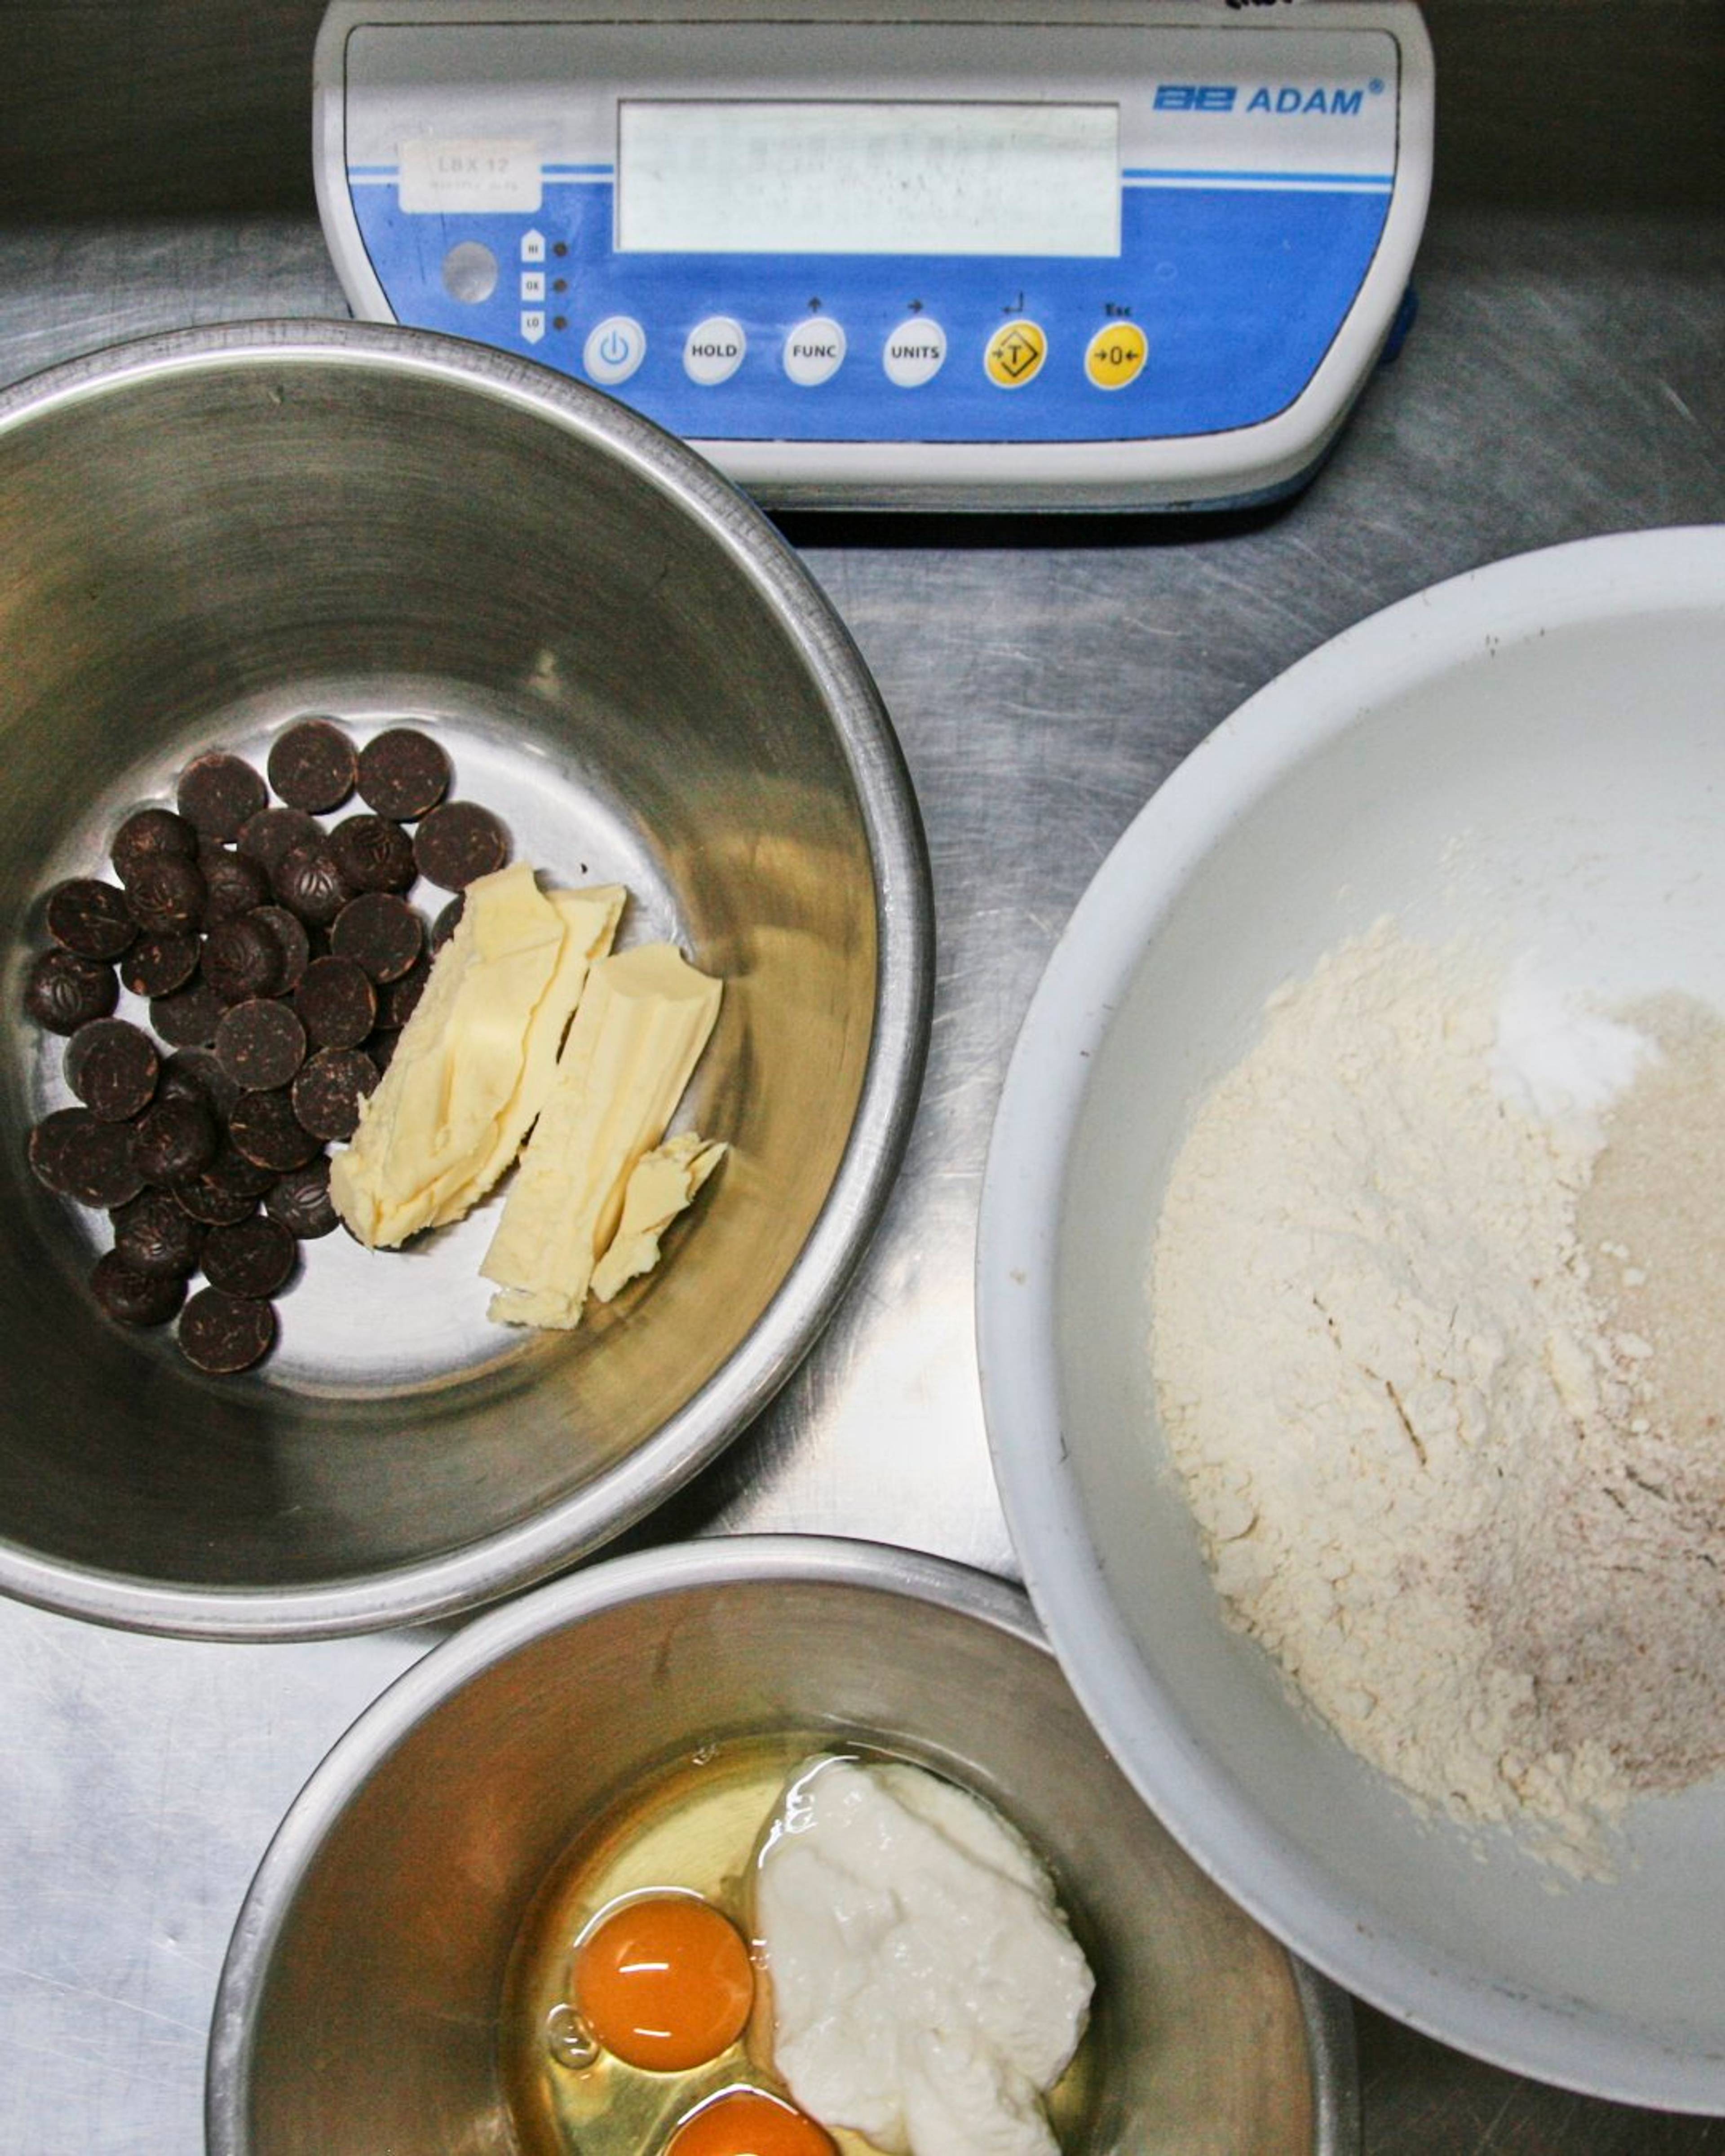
(968, 255)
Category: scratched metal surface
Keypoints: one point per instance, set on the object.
(1564, 380)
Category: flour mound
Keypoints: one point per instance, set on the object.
(1379, 1367)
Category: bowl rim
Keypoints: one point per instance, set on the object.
(488, 1639)
(514, 1556)
(1318, 698)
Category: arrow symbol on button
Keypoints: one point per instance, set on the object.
(1016, 354)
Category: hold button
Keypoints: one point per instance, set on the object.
(713, 350)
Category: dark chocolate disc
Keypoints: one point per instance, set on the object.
(373, 854)
(398, 1000)
(220, 794)
(380, 932)
(337, 1002)
(313, 765)
(113, 1068)
(188, 1017)
(150, 831)
(403, 774)
(135, 1297)
(265, 1128)
(63, 991)
(444, 927)
(261, 1045)
(459, 843)
(329, 1090)
(240, 1173)
(242, 958)
(271, 835)
(233, 883)
(300, 1200)
(219, 1197)
(291, 939)
(256, 1257)
(166, 893)
(158, 965)
(174, 1140)
(222, 1334)
(154, 1233)
(91, 917)
(193, 1074)
(308, 881)
(79, 1156)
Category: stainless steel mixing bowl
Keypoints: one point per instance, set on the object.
(359, 2007)
(205, 535)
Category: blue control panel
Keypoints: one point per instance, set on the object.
(1227, 293)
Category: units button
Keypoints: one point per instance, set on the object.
(713, 350)
(915, 352)
(614, 348)
(1015, 354)
(815, 351)
(1116, 355)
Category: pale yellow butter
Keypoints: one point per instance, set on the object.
(476, 1059)
(638, 1033)
(663, 1184)
(590, 918)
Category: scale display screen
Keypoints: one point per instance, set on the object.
(759, 177)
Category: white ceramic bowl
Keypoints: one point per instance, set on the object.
(1537, 746)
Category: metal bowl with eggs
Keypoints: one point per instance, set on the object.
(206, 535)
(1533, 751)
(372, 1996)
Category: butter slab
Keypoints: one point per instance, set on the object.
(638, 1033)
(435, 1131)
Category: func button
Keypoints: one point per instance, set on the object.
(614, 348)
(1015, 354)
(713, 350)
(1116, 355)
(815, 351)
(915, 352)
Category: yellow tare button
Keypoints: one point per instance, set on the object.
(1015, 353)
(1116, 355)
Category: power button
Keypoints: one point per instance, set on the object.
(614, 348)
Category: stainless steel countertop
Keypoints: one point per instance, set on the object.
(1563, 379)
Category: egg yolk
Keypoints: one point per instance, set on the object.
(664, 1982)
(746, 2122)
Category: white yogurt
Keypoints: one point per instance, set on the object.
(927, 1991)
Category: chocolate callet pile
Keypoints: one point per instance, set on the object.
(279, 958)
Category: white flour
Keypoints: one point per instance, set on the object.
(1383, 1375)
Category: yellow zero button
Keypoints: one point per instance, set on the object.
(1116, 355)
(1015, 354)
